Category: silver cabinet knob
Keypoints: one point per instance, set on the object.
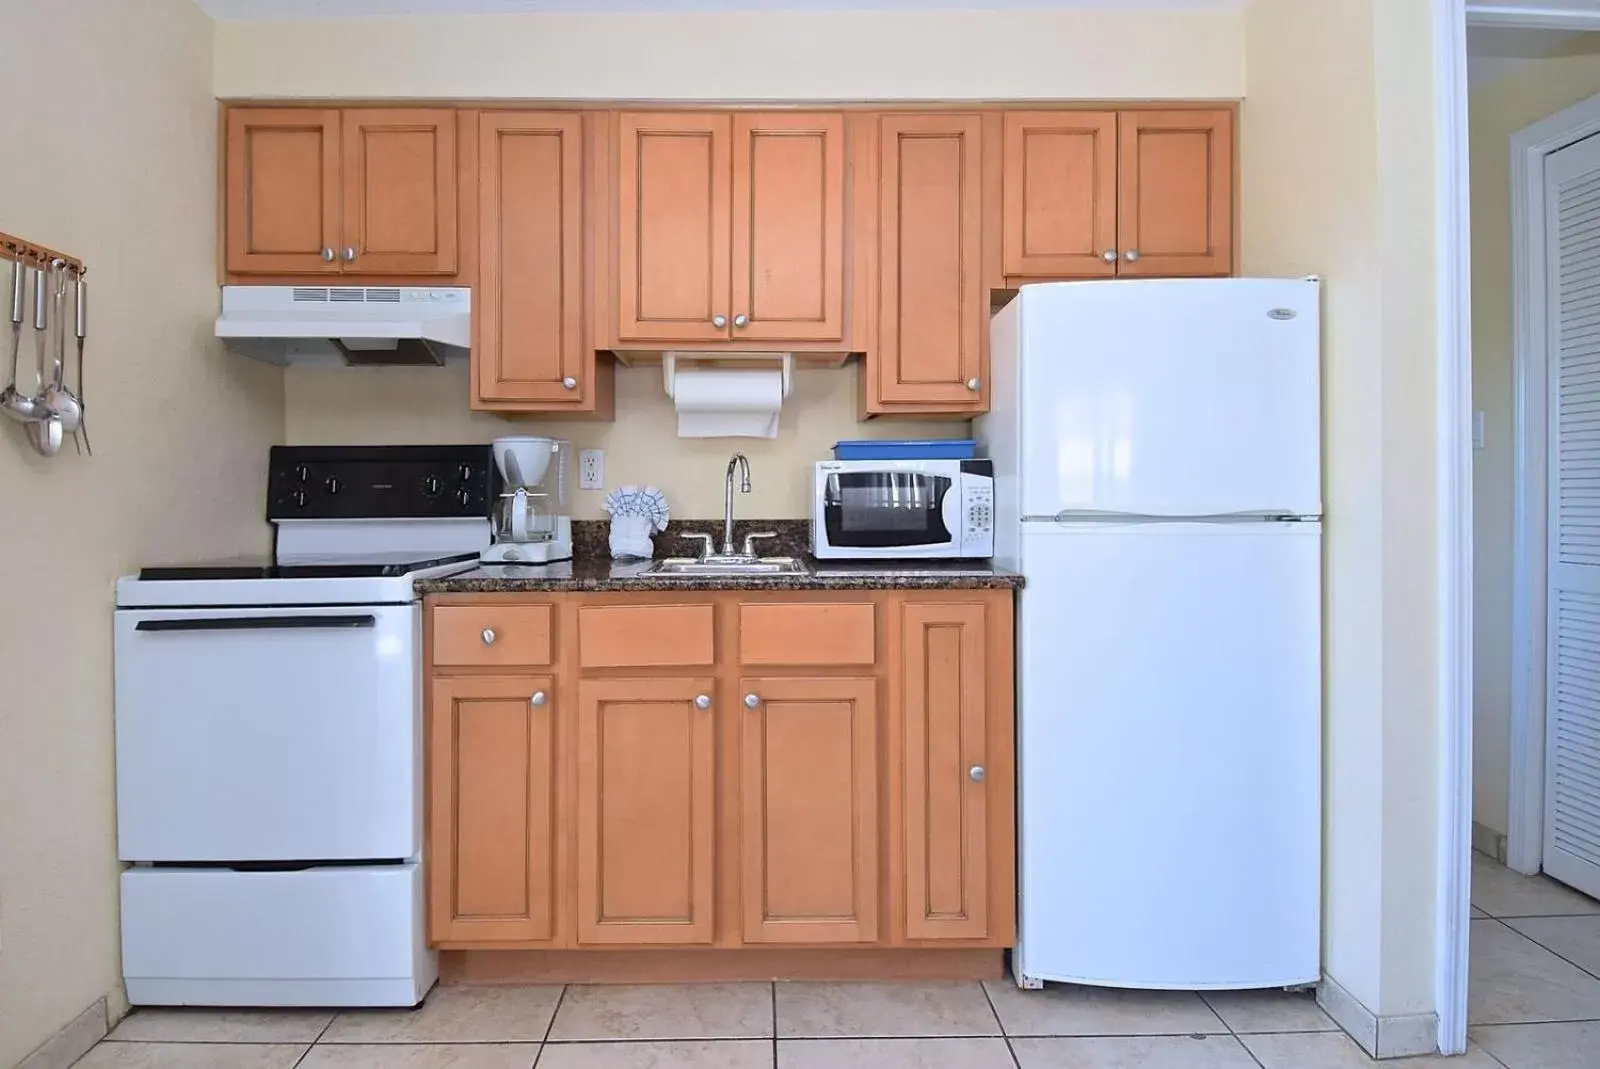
(1131, 255)
(327, 254)
(974, 384)
(569, 383)
(703, 702)
(719, 321)
(1109, 256)
(349, 253)
(752, 701)
(741, 320)
(488, 636)
(975, 773)
(538, 697)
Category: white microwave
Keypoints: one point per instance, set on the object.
(878, 509)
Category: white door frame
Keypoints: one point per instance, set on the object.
(1530, 472)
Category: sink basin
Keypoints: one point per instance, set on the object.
(710, 568)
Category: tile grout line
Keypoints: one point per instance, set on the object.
(1231, 1031)
(538, 1055)
(1005, 1036)
(334, 1016)
(1547, 949)
(772, 989)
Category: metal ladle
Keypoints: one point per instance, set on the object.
(56, 397)
(21, 408)
(44, 434)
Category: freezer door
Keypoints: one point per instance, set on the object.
(1170, 755)
(1182, 397)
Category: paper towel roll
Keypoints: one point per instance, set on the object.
(727, 403)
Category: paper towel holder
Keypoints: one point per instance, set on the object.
(669, 365)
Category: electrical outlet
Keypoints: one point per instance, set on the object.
(591, 469)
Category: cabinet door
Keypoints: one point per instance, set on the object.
(529, 342)
(673, 266)
(809, 774)
(399, 191)
(492, 812)
(1060, 194)
(646, 768)
(932, 310)
(788, 227)
(282, 191)
(1175, 202)
(944, 842)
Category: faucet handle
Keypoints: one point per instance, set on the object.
(750, 541)
(708, 544)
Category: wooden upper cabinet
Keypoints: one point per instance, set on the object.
(399, 191)
(788, 227)
(1175, 202)
(529, 340)
(943, 777)
(646, 756)
(281, 188)
(493, 836)
(1060, 194)
(932, 307)
(673, 252)
(809, 776)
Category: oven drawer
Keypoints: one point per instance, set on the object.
(493, 636)
(268, 734)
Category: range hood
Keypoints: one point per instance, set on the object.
(347, 326)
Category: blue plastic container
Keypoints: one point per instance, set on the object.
(890, 449)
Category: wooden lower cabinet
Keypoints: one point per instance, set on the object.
(809, 775)
(827, 772)
(645, 810)
(492, 810)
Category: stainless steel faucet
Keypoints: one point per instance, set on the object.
(740, 463)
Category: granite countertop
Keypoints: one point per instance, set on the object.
(593, 570)
(595, 574)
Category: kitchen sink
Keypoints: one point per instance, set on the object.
(712, 567)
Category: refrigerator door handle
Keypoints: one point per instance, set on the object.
(1104, 516)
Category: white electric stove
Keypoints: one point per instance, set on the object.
(269, 739)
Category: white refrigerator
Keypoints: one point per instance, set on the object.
(1156, 446)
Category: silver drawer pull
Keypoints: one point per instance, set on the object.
(488, 636)
(703, 702)
(975, 773)
(538, 698)
(752, 701)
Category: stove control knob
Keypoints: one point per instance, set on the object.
(302, 473)
(464, 495)
(464, 472)
(299, 499)
(333, 484)
(431, 485)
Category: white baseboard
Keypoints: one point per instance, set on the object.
(71, 1042)
(1399, 1036)
(1485, 840)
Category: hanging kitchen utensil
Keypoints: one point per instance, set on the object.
(22, 408)
(43, 434)
(57, 398)
(81, 328)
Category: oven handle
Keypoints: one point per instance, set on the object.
(259, 623)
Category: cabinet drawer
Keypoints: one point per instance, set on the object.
(492, 635)
(645, 636)
(825, 633)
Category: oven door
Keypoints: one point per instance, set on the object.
(268, 734)
(891, 513)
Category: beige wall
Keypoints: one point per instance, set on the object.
(717, 55)
(374, 405)
(1497, 111)
(110, 128)
(1338, 172)
(743, 55)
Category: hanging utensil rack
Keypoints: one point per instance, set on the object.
(26, 252)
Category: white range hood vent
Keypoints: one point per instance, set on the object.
(347, 326)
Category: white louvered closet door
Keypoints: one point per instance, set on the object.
(1572, 705)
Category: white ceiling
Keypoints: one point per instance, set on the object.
(328, 9)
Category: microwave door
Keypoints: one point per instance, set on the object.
(889, 510)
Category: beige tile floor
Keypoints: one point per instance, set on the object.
(1535, 1004)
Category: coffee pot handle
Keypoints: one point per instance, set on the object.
(519, 515)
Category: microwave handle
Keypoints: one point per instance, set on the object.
(952, 508)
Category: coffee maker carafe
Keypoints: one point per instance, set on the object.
(532, 518)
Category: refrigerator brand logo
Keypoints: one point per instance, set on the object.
(1282, 313)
